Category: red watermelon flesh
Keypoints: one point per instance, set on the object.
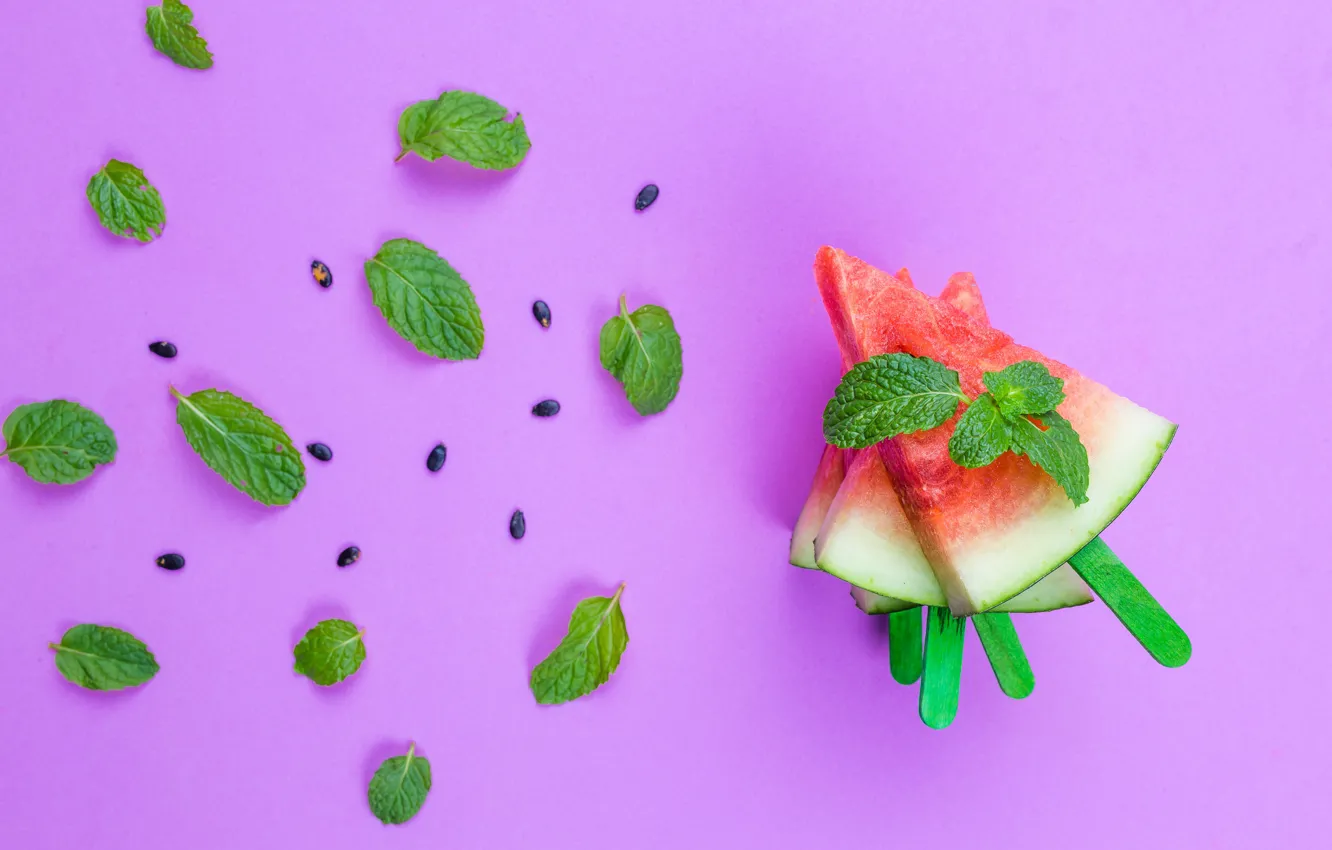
(987, 533)
(864, 536)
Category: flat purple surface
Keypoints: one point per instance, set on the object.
(1144, 191)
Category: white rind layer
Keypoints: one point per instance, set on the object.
(997, 566)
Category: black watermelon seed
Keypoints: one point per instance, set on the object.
(348, 556)
(319, 451)
(162, 349)
(171, 561)
(435, 460)
(542, 312)
(549, 407)
(517, 525)
(646, 196)
(322, 275)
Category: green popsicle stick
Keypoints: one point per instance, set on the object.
(1123, 594)
(1004, 650)
(942, 676)
(904, 645)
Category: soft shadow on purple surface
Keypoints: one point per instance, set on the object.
(449, 178)
(556, 623)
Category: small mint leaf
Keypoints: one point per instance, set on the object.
(425, 300)
(887, 395)
(587, 656)
(170, 27)
(330, 652)
(399, 787)
(1058, 450)
(642, 350)
(242, 444)
(465, 126)
(57, 442)
(982, 434)
(102, 658)
(1025, 388)
(126, 202)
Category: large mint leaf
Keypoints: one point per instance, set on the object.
(642, 350)
(465, 126)
(172, 31)
(425, 300)
(102, 658)
(587, 656)
(57, 442)
(1026, 387)
(887, 395)
(982, 434)
(399, 787)
(126, 202)
(242, 444)
(1058, 450)
(330, 652)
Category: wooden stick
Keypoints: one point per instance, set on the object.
(1123, 594)
(904, 653)
(942, 676)
(1004, 650)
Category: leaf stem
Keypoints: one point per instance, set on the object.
(399, 157)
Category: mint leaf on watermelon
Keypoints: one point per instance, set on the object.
(425, 300)
(642, 350)
(102, 658)
(887, 395)
(170, 26)
(399, 787)
(1026, 387)
(982, 434)
(330, 652)
(57, 442)
(465, 126)
(1057, 449)
(242, 444)
(126, 203)
(588, 655)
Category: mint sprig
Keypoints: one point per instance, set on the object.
(888, 395)
(126, 203)
(464, 126)
(642, 350)
(588, 655)
(170, 25)
(893, 394)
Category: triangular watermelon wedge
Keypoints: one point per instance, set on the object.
(987, 534)
(863, 535)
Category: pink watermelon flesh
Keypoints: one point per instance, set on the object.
(986, 533)
(854, 512)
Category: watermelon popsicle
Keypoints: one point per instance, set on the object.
(879, 546)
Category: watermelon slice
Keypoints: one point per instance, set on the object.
(986, 534)
(864, 537)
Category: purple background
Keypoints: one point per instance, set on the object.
(1142, 190)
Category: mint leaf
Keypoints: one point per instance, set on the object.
(425, 300)
(982, 434)
(126, 202)
(887, 395)
(1025, 388)
(1058, 450)
(242, 444)
(169, 26)
(642, 350)
(465, 126)
(102, 658)
(587, 656)
(399, 787)
(330, 652)
(57, 442)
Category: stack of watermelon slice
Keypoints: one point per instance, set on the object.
(909, 529)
